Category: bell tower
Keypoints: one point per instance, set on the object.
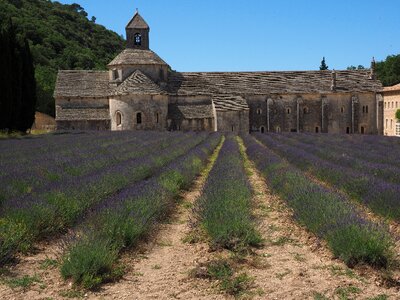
(137, 33)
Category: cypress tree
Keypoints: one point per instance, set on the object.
(17, 81)
(323, 65)
(28, 89)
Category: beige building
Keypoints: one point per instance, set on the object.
(140, 91)
(391, 105)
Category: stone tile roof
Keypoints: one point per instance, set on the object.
(190, 111)
(82, 113)
(229, 103)
(137, 22)
(138, 83)
(392, 88)
(137, 57)
(242, 83)
(82, 84)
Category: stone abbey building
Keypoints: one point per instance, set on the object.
(141, 92)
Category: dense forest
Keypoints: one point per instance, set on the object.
(60, 37)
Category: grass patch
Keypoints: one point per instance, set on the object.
(345, 293)
(223, 272)
(24, 282)
(49, 264)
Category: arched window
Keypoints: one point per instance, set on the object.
(262, 129)
(118, 118)
(259, 111)
(363, 109)
(278, 129)
(138, 39)
(306, 110)
(316, 129)
(157, 118)
(139, 118)
(342, 109)
(288, 111)
(362, 130)
(366, 109)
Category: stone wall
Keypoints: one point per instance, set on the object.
(233, 121)
(84, 125)
(152, 109)
(331, 113)
(391, 105)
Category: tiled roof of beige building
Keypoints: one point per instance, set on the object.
(229, 103)
(137, 57)
(190, 111)
(96, 84)
(392, 88)
(242, 83)
(138, 83)
(82, 84)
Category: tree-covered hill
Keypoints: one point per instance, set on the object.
(61, 37)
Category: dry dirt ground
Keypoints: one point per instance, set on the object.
(292, 264)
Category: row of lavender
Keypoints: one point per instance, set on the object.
(330, 215)
(123, 219)
(379, 189)
(75, 160)
(62, 204)
(224, 210)
(346, 151)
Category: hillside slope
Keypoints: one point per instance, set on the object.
(61, 37)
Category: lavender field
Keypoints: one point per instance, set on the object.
(100, 194)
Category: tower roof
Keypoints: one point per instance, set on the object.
(137, 22)
(136, 57)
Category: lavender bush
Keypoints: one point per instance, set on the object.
(225, 207)
(328, 214)
(61, 204)
(380, 196)
(124, 218)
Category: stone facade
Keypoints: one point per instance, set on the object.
(391, 105)
(140, 92)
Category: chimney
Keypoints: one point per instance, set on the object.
(333, 84)
(372, 74)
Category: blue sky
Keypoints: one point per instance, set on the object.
(256, 35)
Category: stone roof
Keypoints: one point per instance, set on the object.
(190, 111)
(137, 22)
(82, 113)
(229, 103)
(82, 84)
(138, 83)
(392, 88)
(136, 57)
(244, 83)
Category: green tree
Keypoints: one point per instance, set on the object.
(388, 71)
(359, 67)
(398, 114)
(17, 81)
(323, 65)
